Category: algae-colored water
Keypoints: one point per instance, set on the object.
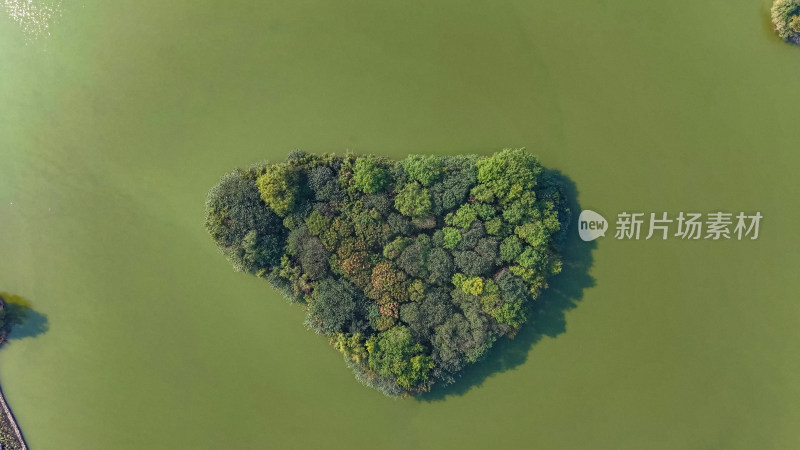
(117, 117)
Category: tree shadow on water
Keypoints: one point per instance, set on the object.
(21, 319)
(546, 314)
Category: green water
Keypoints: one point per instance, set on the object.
(116, 121)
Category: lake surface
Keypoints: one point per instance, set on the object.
(117, 117)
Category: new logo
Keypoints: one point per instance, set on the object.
(591, 225)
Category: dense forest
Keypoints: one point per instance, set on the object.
(412, 268)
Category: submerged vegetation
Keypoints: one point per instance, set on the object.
(786, 18)
(412, 269)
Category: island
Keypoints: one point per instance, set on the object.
(412, 269)
(786, 19)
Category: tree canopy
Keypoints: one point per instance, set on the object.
(786, 19)
(412, 268)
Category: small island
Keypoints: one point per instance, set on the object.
(10, 435)
(413, 268)
(786, 19)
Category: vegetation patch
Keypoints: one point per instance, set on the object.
(412, 268)
(786, 19)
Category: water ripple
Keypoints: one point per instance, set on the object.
(34, 17)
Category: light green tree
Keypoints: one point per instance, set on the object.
(413, 200)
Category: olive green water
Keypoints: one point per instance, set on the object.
(114, 126)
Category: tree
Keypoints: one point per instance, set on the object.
(14, 311)
(508, 173)
(335, 307)
(250, 235)
(369, 176)
(440, 266)
(462, 218)
(421, 318)
(511, 286)
(423, 168)
(510, 313)
(488, 249)
(309, 251)
(413, 200)
(280, 187)
(410, 315)
(471, 263)
(380, 203)
(351, 346)
(471, 236)
(514, 294)
(355, 266)
(314, 258)
(324, 184)
(416, 290)
(458, 177)
(317, 223)
(436, 307)
(394, 353)
(399, 224)
(472, 286)
(510, 248)
(520, 209)
(260, 253)
(786, 19)
(426, 222)
(450, 342)
(794, 24)
(414, 258)
(533, 233)
(394, 248)
(388, 285)
(494, 226)
(533, 258)
(451, 237)
(462, 338)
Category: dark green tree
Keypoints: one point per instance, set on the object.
(336, 306)
(251, 235)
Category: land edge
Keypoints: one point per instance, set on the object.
(7, 417)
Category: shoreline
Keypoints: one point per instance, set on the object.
(7, 420)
